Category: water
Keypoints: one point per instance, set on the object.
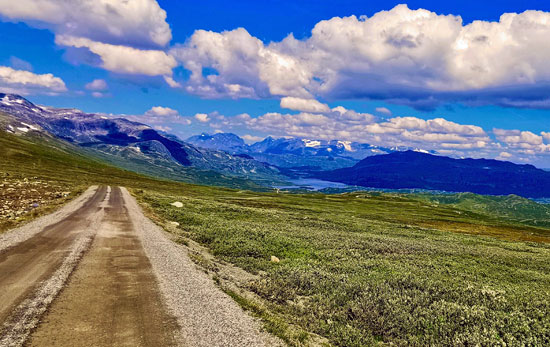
(312, 184)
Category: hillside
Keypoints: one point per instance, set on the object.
(397, 251)
(131, 145)
(425, 171)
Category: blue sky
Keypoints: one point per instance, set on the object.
(425, 83)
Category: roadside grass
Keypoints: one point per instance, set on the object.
(357, 269)
(366, 269)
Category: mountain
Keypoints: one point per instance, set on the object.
(291, 153)
(129, 145)
(227, 142)
(425, 171)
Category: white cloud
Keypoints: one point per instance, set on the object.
(252, 138)
(127, 36)
(202, 117)
(98, 95)
(97, 85)
(26, 82)
(137, 22)
(383, 110)
(123, 59)
(505, 155)
(524, 142)
(161, 111)
(160, 117)
(243, 66)
(305, 105)
(403, 55)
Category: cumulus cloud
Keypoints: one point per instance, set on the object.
(252, 138)
(136, 23)
(97, 84)
(242, 66)
(26, 82)
(305, 105)
(99, 95)
(383, 110)
(126, 37)
(505, 155)
(161, 118)
(524, 142)
(416, 57)
(123, 59)
(161, 111)
(202, 117)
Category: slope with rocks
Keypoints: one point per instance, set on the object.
(128, 144)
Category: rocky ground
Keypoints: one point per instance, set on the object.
(22, 198)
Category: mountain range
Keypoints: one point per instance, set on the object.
(131, 145)
(296, 153)
(225, 159)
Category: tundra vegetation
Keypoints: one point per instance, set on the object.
(352, 269)
(364, 269)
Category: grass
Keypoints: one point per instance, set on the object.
(368, 269)
(355, 269)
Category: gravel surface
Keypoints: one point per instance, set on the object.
(25, 232)
(206, 315)
(26, 316)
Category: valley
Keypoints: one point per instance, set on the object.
(382, 268)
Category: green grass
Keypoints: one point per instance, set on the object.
(367, 269)
(357, 269)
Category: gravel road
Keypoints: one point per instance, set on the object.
(99, 273)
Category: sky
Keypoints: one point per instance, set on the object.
(464, 78)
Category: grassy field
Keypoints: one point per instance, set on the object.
(355, 269)
(365, 269)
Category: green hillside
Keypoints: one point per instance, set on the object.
(354, 269)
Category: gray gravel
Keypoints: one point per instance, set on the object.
(206, 315)
(26, 317)
(13, 237)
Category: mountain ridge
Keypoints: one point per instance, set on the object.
(128, 144)
(401, 170)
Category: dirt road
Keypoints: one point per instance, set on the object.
(94, 278)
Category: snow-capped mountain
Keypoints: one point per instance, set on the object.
(295, 152)
(227, 142)
(125, 143)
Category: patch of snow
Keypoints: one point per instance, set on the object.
(421, 150)
(137, 149)
(29, 126)
(347, 145)
(103, 117)
(35, 109)
(6, 100)
(311, 143)
(23, 129)
(19, 101)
